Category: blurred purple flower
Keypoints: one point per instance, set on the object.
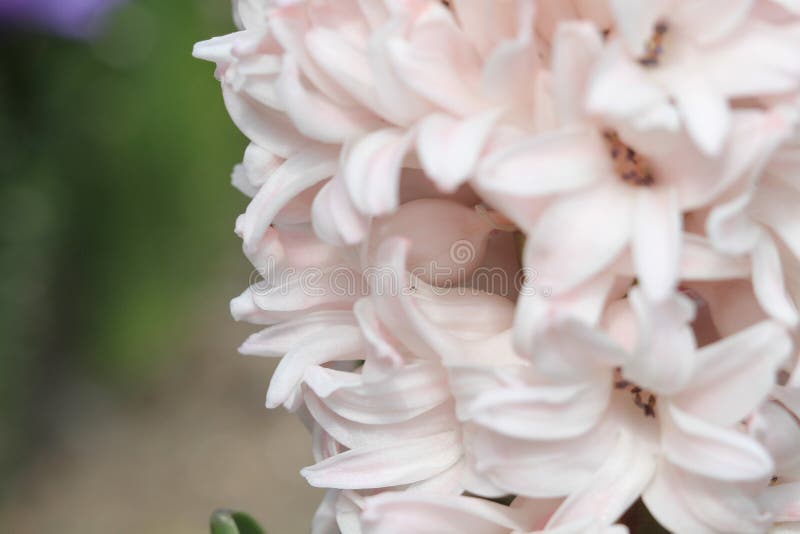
(74, 18)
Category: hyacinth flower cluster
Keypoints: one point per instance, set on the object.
(526, 263)
(71, 18)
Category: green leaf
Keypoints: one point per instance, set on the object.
(229, 522)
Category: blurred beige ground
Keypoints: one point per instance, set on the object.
(162, 462)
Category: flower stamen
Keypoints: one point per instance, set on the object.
(639, 395)
(630, 166)
(654, 47)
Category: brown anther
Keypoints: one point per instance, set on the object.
(649, 408)
(654, 47)
(638, 394)
(630, 167)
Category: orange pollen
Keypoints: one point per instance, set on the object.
(629, 165)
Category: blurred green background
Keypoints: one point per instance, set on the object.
(117, 256)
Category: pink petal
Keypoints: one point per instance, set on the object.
(298, 173)
(449, 149)
(683, 502)
(730, 228)
(279, 339)
(486, 24)
(385, 466)
(333, 344)
(768, 282)
(538, 310)
(735, 374)
(267, 127)
(775, 206)
(613, 488)
(635, 21)
(573, 351)
(664, 361)
(546, 164)
(439, 64)
(704, 111)
(665, 500)
(377, 336)
(767, 52)
(657, 240)
(315, 115)
(406, 393)
(576, 48)
(699, 261)
(712, 451)
(711, 20)
(598, 223)
(549, 412)
(783, 501)
(401, 513)
(543, 468)
(513, 66)
(335, 219)
(372, 170)
(353, 434)
(616, 73)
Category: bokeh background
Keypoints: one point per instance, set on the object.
(124, 407)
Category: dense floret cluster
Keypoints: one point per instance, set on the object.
(526, 262)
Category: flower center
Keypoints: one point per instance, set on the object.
(654, 47)
(642, 399)
(630, 166)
